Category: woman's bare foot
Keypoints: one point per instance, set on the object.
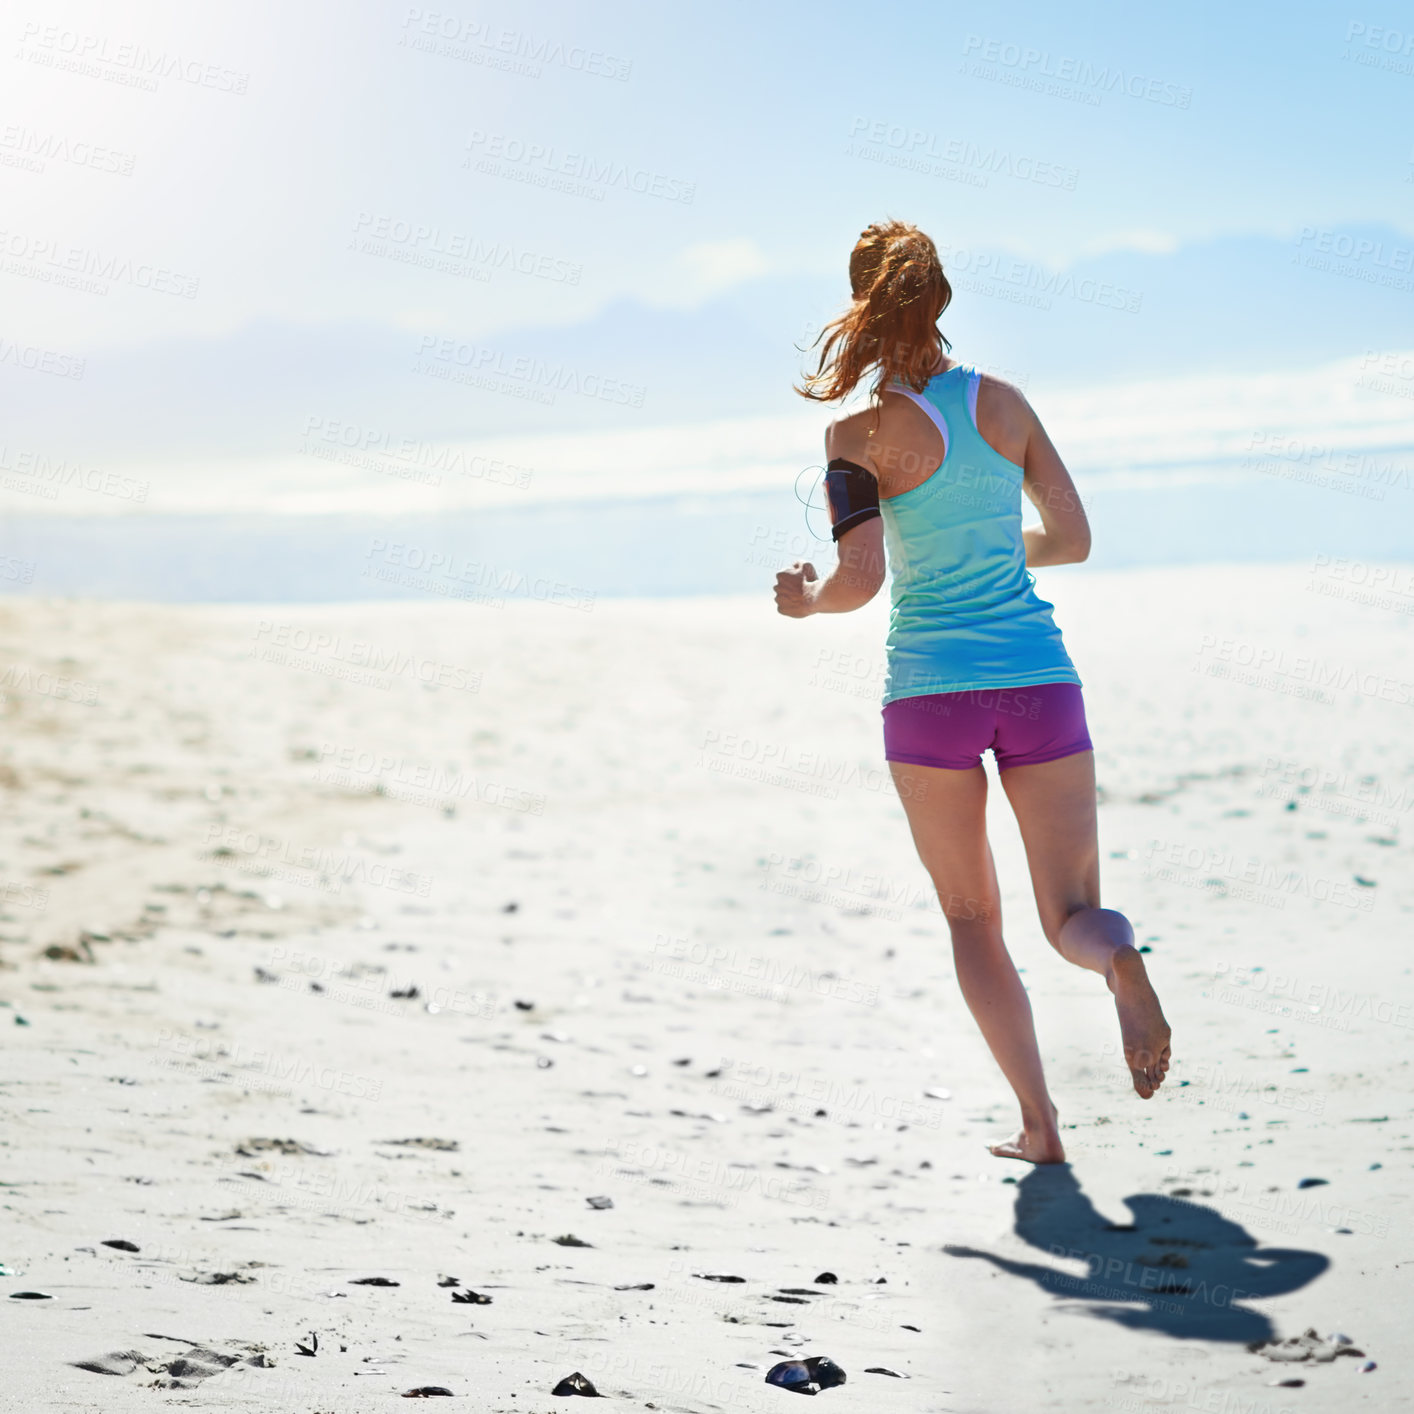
(1143, 1031)
(1033, 1143)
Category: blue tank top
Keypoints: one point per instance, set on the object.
(965, 613)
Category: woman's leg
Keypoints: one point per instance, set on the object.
(947, 812)
(1054, 802)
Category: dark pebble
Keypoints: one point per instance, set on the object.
(121, 1243)
(826, 1279)
(808, 1376)
(576, 1384)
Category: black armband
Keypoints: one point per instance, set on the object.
(853, 493)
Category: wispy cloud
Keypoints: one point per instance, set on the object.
(1213, 428)
(701, 271)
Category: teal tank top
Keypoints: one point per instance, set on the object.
(965, 612)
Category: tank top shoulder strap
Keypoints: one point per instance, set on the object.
(952, 394)
(949, 392)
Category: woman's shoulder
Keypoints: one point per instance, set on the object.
(849, 434)
(999, 387)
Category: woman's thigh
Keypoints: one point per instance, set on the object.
(1054, 804)
(947, 813)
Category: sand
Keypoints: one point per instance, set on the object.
(382, 939)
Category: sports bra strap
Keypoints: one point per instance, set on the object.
(935, 415)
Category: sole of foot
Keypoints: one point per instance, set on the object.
(1143, 1031)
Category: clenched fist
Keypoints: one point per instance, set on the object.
(795, 594)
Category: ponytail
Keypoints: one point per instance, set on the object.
(899, 294)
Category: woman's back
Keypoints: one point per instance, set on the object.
(965, 612)
(908, 446)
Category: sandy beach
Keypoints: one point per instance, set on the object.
(576, 955)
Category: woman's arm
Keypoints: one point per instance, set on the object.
(859, 568)
(1063, 537)
(856, 578)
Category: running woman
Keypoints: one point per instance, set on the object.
(934, 469)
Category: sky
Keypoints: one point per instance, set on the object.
(380, 259)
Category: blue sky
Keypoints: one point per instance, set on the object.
(1181, 195)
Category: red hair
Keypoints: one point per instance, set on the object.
(899, 294)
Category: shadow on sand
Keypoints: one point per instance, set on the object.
(1179, 1268)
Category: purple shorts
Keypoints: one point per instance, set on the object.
(1021, 725)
